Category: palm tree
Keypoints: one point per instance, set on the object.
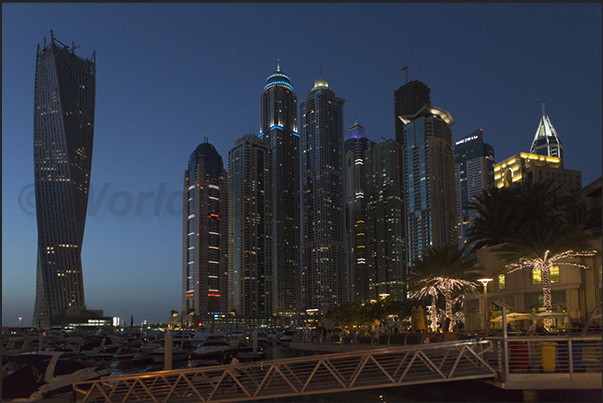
(527, 220)
(497, 217)
(541, 201)
(540, 245)
(444, 270)
(502, 211)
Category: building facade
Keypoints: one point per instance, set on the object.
(533, 167)
(474, 172)
(429, 183)
(205, 234)
(355, 208)
(408, 100)
(64, 101)
(546, 142)
(250, 232)
(385, 242)
(323, 249)
(278, 130)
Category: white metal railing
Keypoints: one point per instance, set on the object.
(547, 354)
(339, 372)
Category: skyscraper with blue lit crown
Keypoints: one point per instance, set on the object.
(278, 131)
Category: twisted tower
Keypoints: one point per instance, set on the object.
(65, 86)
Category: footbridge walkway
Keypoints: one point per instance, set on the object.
(318, 374)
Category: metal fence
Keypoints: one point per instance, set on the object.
(340, 372)
(547, 354)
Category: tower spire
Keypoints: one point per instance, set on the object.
(278, 65)
(321, 71)
(543, 114)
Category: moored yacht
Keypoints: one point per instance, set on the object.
(43, 374)
(178, 354)
(213, 345)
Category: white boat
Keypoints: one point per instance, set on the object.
(128, 354)
(199, 337)
(213, 345)
(178, 354)
(262, 339)
(21, 344)
(237, 335)
(44, 374)
(287, 336)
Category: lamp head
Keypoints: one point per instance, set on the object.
(484, 281)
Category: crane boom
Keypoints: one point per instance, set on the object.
(405, 66)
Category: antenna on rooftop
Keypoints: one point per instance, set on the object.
(405, 66)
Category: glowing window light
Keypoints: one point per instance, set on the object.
(555, 274)
(536, 276)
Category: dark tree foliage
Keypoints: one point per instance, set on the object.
(365, 313)
(502, 212)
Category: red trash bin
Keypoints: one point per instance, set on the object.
(519, 357)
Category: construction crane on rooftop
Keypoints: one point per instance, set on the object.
(405, 66)
(420, 67)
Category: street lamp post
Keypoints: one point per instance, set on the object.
(20, 321)
(485, 282)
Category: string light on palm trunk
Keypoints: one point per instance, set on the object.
(544, 265)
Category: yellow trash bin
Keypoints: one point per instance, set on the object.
(546, 353)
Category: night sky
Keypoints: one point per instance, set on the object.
(169, 75)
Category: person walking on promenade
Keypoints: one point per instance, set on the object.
(375, 339)
(234, 364)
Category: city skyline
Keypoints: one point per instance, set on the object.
(157, 97)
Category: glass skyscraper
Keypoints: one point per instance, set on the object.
(278, 130)
(250, 229)
(205, 234)
(324, 277)
(408, 100)
(65, 85)
(474, 171)
(355, 209)
(429, 182)
(385, 243)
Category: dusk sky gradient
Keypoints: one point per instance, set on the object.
(170, 74)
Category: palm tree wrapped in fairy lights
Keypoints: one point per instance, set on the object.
(448, 271)
(528, 222)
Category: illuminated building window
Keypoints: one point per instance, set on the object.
(536, 277)
(501, 281)
(555, 274)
